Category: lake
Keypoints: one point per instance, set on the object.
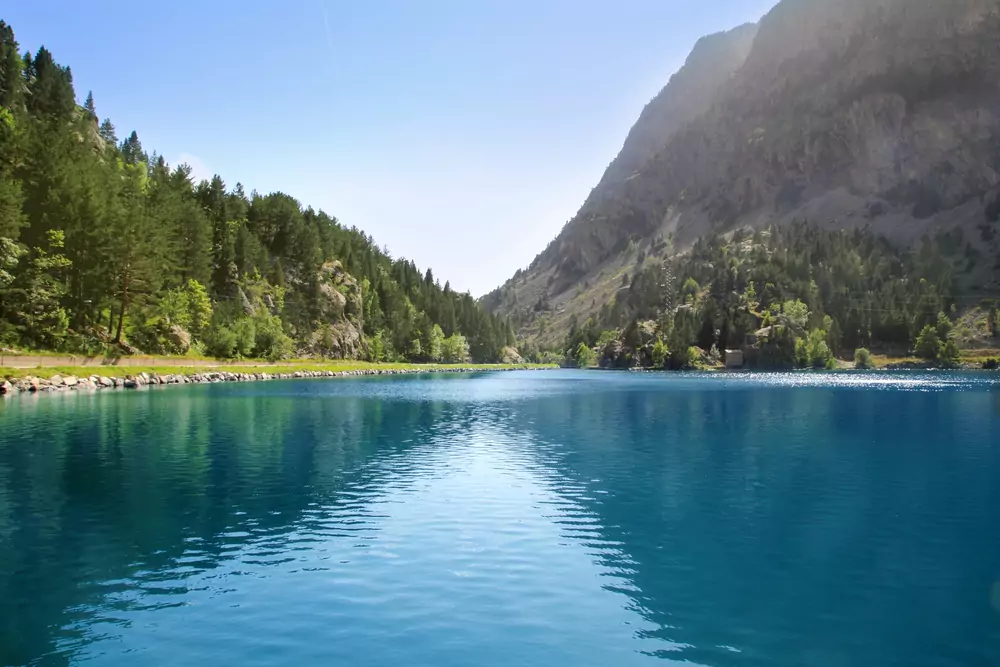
(525, 518)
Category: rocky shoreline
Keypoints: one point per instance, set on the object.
(57, 383)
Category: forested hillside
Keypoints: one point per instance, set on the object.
(790, 295)
(104, 247)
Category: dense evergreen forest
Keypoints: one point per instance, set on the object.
(788, 296)
(106, 248)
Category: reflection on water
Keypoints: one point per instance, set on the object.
(555, 518)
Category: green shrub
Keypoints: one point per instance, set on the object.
(432, 340)
(221, 342)
(813, 351)
(246, 336)
(928, 345)
(935, 343)
(714, 355)
(551, 358)
(863, 359)
(271, 342)
(188, 306)
(950, 354)
(606, 337)
(777, 350)
(380, 348)
(797, 313)
(659, 354)
(585, 357)
(455, 349)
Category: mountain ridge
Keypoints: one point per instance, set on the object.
(838, 113)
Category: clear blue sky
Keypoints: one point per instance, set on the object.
(462, 134)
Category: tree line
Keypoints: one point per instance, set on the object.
(793, 295)
(105, 246)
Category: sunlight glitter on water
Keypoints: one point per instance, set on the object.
(579, 518)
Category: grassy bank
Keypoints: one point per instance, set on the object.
(250, 367)
(967, 359)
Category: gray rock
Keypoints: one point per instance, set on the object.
(179, 339)
(248, 308)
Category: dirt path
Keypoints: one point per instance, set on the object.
(31, 361)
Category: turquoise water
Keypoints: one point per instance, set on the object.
(554, 518)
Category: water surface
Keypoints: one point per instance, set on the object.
(556, 518)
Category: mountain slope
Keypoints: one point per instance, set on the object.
(845, 113)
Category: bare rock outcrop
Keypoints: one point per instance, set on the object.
(339, 332)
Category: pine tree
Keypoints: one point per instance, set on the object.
(131, 150)
(50, 88)
(12, 90)
(107, 132)
(11, 198)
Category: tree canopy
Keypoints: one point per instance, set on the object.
(107, 245)
(797, 294)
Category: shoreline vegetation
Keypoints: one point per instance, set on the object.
(41, 379)
(780, 297)
(988, 362)
(96, 374)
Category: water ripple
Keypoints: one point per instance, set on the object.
(530, 519)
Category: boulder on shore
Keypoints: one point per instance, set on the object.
(509, 355)
(179, 339)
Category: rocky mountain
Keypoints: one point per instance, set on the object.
(843, 113)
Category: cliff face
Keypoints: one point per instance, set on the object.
(604, 222)
(689, 94)
(339, 333)
(843, 112)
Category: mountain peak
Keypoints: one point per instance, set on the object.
(850, 113)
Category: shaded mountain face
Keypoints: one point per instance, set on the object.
(840, 112)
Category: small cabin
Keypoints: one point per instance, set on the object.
(734, 359)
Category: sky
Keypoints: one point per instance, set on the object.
(461, 134)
